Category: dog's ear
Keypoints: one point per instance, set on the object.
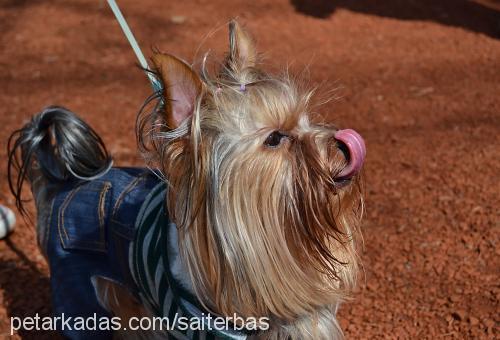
(242, 52)
(181, 87)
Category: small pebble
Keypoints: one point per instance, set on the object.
(178, 19)
(473, 321)
(458, 315)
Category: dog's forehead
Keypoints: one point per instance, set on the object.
(261, 106)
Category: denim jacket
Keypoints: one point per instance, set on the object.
(88, 233)
(95, 228)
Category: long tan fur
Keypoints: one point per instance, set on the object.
(264, 231)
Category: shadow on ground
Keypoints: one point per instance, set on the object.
(460, 13)
(33, 299)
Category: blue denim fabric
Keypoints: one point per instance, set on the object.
(90, 226)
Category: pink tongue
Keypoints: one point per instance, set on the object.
(357, 152)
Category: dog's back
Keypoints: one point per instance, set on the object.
(87, 236)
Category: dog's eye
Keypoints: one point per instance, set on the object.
(274, 139)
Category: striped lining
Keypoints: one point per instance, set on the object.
(149, 263)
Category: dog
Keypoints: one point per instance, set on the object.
(247, 208)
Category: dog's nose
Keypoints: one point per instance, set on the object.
(353, 145)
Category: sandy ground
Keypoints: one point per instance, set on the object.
(420, 80)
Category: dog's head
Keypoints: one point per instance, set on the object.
(267, 202)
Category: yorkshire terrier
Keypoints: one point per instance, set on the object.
(248, 209)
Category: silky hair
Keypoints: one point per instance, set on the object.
(264, 230)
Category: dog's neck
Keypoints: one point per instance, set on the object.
(177, 267)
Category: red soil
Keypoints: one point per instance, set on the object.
(420, 81)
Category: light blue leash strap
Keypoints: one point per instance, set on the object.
(137, 50)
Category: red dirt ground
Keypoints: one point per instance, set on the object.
(420, 81)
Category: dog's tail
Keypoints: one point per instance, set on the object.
(58, 144)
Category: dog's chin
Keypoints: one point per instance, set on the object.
(342, 182)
